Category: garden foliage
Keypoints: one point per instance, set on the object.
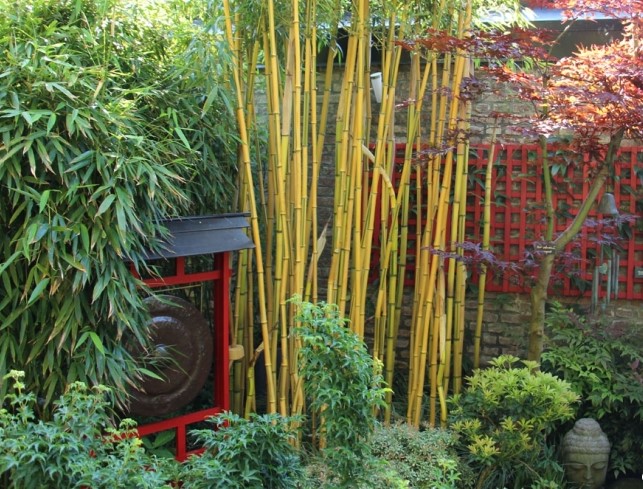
(112, 116)
(82, 447)
(503, 418)
(78, 447)
(255, 453)
(425, 458)
(604, 365)
(343, 386)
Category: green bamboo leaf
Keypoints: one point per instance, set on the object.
(53, 384)
(13, 151)
(43, 155)
(101, 284)
(30, 235)
(97, 342)
(42, 230)
(81, 340)
(63, 90)
(51, 122)
(182, 137)
(177, 128)
(208, 101)
(10, 260)
(70, 121)
(120, 217)
(44, 199)
(27, 116)
(75, 263)
(15, 101)
(105, 205)
(38, 291)
(84, 236)
(149, 373)
(80, 161)
(15, 314)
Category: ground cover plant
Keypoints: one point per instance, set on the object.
(603, 362)
(504, 416)
(254, 453)
(111, 118)
(424, 458)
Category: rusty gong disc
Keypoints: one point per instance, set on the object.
(182, 354)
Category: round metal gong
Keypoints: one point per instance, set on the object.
(181, 353)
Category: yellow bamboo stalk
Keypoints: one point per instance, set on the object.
(357, 168)
(268, 206)
(245, 153)
(239, 328)
(461, 272)
(342, 216)
(431, 325)
(309, 131)
(396, 281)
(299, 167)
(240, 323)
(288, 200)
(382, 168)
(455, 303)
(485, 246)
(309, 110)
(438, 343)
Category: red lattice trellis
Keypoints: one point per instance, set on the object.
(517, 219)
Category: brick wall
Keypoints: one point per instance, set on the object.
(505, 320)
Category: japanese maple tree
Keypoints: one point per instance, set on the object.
(595, 97)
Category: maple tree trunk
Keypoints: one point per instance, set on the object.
(538, 294)
(538, 298)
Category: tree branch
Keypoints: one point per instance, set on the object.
(574, 228)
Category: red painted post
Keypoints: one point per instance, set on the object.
(222, 332)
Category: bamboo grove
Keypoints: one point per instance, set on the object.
(284, 88)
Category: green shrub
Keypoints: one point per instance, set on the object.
(604, 365)
(82, 447)
(381, 475)
(112, 116)
(256, 453)
(503, 418)
(426, 458)
(78, 447)
(344, 387)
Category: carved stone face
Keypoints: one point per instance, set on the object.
(586, 452)
(586, 470)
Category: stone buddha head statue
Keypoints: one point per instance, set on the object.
(586, 452)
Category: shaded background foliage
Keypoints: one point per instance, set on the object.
(111, 118)
(603, 362)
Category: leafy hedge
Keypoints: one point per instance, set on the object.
(111, 118)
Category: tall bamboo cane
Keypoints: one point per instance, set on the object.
(485, 246)
(295, 145)
(245, 153)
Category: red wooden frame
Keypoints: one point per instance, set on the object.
(219, 275)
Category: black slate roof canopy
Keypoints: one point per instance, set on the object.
(202, 235)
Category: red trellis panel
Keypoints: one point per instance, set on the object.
(517, 218)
